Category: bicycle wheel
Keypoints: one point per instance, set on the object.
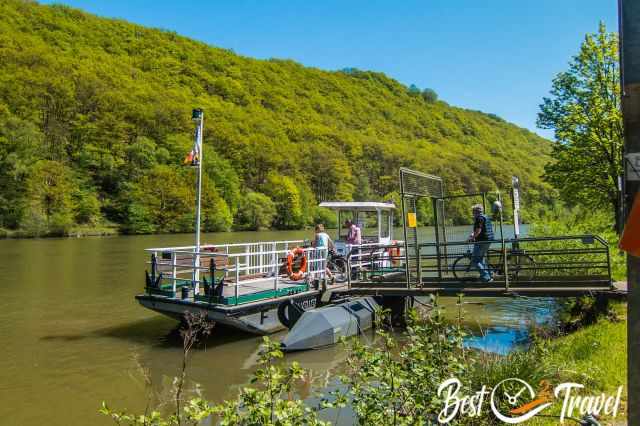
(522, 267)
(338, 268)
(462, 268)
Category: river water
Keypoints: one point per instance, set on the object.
(72, 335)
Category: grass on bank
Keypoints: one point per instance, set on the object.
(594, 355)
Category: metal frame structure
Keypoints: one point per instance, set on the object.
(552, 263)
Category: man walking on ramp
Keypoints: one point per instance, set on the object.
(482, 235)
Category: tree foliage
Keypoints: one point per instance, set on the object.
(584, 112)
(109, 102)
(393, 383)
(256, 212)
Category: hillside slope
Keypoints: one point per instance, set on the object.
(95, 123)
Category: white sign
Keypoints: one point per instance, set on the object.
(516, 199)
(516, 222)
(633, 166)
(515, 401)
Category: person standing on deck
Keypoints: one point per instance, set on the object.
(354, 235)
(482, 235)
(323, 241)
(354, 238)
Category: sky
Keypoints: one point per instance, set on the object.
(497, 56)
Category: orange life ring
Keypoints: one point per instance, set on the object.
(296, 276)
(394, 253)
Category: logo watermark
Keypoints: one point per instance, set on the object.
(515, 401)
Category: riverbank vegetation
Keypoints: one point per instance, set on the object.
(595, 355)
(95, 123)
(394, 381)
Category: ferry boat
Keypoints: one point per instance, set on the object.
(243, 285)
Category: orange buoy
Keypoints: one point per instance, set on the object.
(296, 276)
(394, 253)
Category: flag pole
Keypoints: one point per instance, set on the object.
(198, 116)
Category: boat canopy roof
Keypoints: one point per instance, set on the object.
(357, 205)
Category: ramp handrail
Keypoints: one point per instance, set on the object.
(547, 261)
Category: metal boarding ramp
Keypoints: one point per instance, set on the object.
(437, 257)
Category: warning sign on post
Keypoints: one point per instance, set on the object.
(411, 220)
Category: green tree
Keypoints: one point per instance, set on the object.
(286, 195)
(429, 95)
(49, 189)
(20, 142)
(164, 198)
(339, 135)
(164, 201)
(256, 212)
(216, 214)
(87, 206)
(584, 112)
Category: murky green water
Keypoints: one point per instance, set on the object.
(72, 334)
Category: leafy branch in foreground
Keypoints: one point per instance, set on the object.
(196, 327)
(394, 381)
(271, 402)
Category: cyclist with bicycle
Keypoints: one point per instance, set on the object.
(482, 235)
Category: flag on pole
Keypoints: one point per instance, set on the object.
(630, 241)
(193, 157)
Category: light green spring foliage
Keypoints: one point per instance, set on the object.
(584, 112)
(388, 382)
(109, 102)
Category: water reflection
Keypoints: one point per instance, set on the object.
(501, 325)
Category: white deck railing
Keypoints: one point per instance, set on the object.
(257, 266)
(243, 265)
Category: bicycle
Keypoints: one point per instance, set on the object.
(520, 265)
(337, 264)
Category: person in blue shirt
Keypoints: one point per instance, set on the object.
(482, 236)
(323, 240)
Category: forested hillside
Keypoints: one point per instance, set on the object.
(95, 120)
